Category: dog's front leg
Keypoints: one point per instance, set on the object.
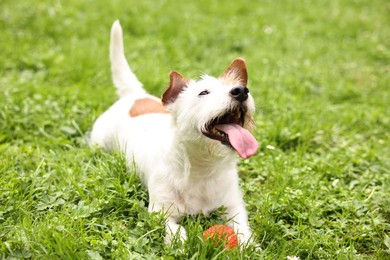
(173, 230)
(238, 220)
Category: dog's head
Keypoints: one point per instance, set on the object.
(213, 111)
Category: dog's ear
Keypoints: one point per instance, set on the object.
(177, 83)
(237, 71)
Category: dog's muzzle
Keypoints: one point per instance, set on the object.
(229, 129)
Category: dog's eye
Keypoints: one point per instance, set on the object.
(204, 92)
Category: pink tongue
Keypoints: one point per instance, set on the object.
(240, 138)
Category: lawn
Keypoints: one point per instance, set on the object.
(319, 186)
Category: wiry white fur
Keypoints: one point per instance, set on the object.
(184, 171)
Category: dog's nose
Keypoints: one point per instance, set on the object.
(239, 93)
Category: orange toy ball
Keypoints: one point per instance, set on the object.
(221, 234)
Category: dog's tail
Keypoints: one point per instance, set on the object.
(124, 79)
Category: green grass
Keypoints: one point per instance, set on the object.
(319, 72)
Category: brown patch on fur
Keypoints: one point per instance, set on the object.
(236, 72)
(177, 84)
(147, 106)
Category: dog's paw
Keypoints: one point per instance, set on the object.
(245, 237)
(174, 233)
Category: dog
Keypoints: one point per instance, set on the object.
(184, 145)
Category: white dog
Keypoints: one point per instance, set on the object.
(185, 146)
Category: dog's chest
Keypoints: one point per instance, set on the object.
(201, 196)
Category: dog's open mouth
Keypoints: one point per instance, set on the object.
(229, 130)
